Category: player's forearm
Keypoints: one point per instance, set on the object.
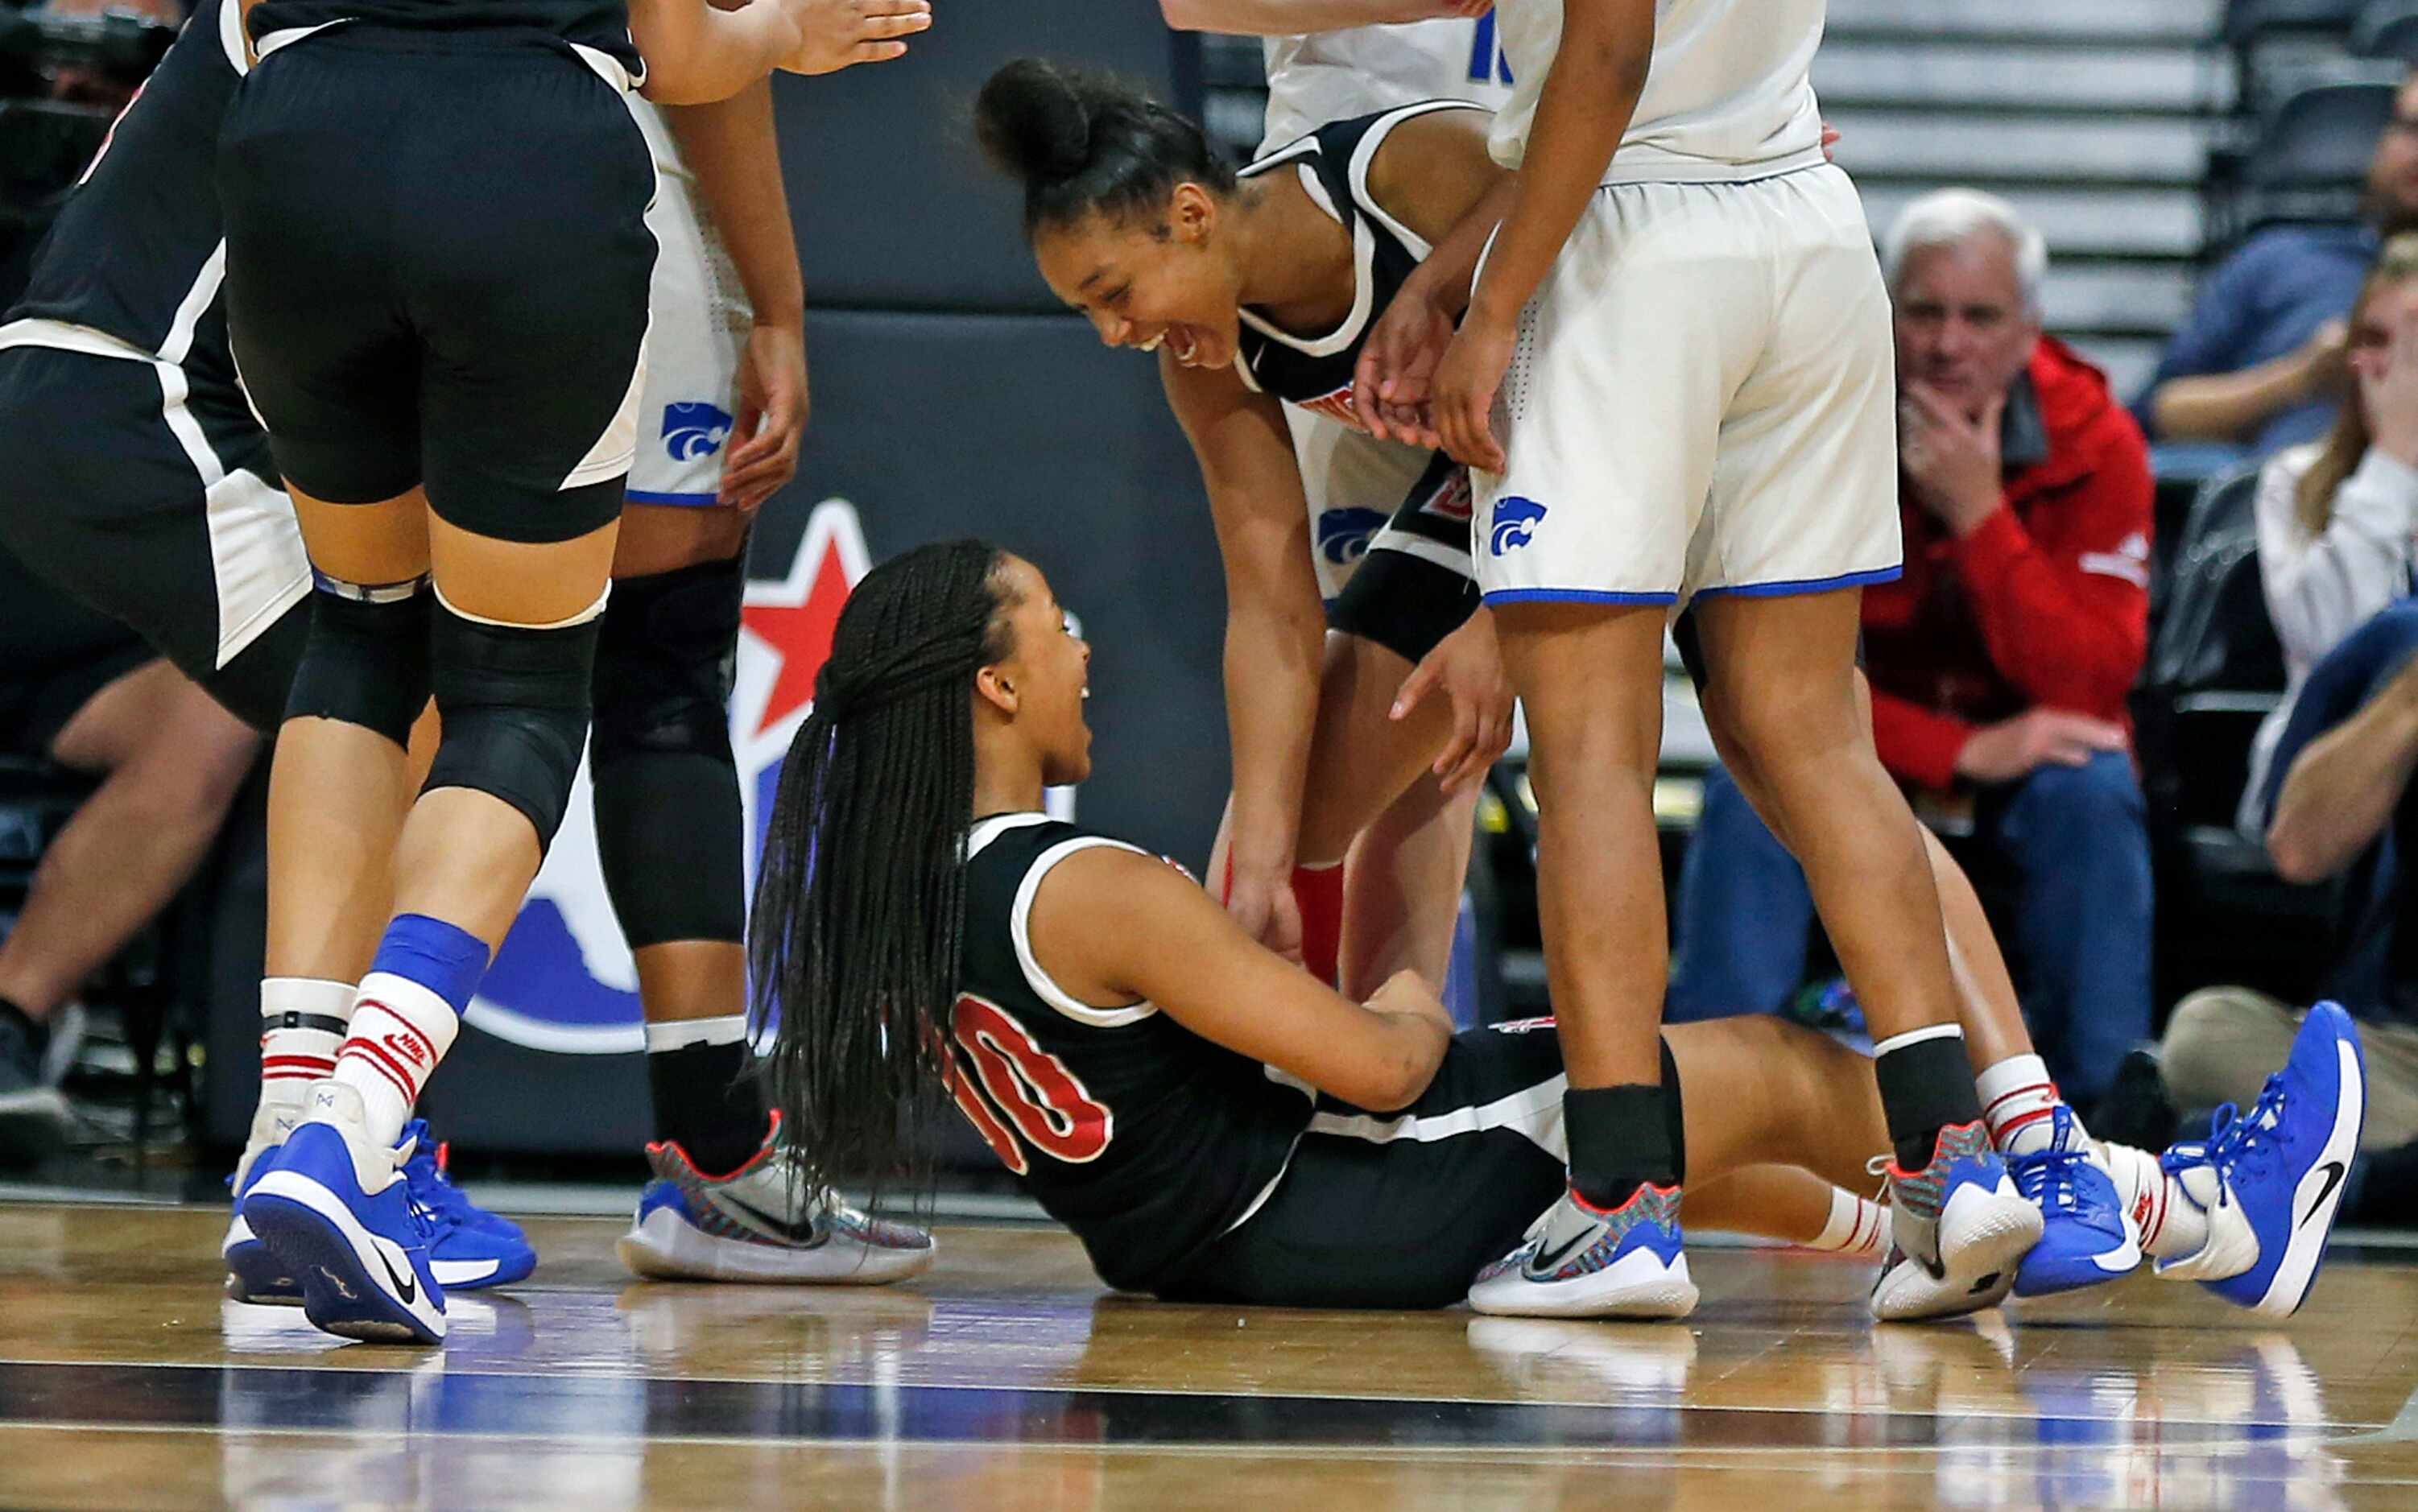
(1272, 671)
(2226, 406)
(2343, 788)
(696, 54)
(731, 148)
(1582, 112)
(1451, 268)
(1283, 17)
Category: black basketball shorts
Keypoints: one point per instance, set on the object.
(1415, 584)
(437, 263)
(1402, 1210)
(146, 491)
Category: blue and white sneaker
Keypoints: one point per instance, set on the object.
(1957, 1229)
(2270, 1181)
(2086, 1237)
(468, 1246)
(1579, 1261)
(760, 1223)
(335, 1211)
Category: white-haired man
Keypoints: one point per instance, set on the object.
(1999, 663)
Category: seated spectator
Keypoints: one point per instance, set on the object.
(2260, 362)
(2335, 519)
(2000, 661)
(2329, 771)
(83, 691)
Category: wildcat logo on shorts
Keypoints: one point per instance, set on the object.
(694, 430)
(1515, 523)
(1344, 535)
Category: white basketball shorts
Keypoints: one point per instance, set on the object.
(1702, 400)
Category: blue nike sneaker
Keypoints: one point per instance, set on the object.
(1579, 1261)
(1958, 1230)
(255, 1273)
(2270, 1181)
(2086, 1238)
(468, 1246)
(336, 1211)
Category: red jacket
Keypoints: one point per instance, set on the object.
(2046, 603)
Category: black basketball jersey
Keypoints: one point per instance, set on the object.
(138, 251)
(1146, 1139)
(1315, 372)
(602, 25)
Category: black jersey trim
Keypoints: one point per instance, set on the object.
(1019, 932)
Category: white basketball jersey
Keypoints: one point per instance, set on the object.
(1729, 96)
(1333, 76)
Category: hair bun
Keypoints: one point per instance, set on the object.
(1034, 122)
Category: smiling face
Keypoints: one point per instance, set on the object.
(1146, 281)
(1046, 675)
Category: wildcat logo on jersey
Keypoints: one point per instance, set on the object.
(1515, 523)
(1344, 535)
(694, 430)
(563, 980)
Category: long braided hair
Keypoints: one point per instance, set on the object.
(858, 915)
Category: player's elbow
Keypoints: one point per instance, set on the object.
(2297, 857)
(1184, 15)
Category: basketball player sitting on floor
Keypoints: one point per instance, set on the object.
(1214, 1125)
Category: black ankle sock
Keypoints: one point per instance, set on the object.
(1926, 1087)
(708, 1101)
(1623, 1137)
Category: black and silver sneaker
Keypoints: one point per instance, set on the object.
(34, 1060)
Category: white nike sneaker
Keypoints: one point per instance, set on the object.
(1577, 1262)
(760, 1224)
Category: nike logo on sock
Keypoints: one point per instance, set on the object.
(2333, 1170)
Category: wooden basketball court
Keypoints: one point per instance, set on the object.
(1008, 1378)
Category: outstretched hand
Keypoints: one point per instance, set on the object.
(840, 34)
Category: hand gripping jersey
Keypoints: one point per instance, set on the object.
(1331, 76)
(1315, 372)
(1146, 1139)
(1728, 97)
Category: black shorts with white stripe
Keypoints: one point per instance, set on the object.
(1402, 1210)
(146, 493)
(1416, 584)
(437, 270)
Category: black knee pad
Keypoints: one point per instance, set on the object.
(668, 827)
(514, 700)
(365, 661)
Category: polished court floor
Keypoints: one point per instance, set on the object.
(1007, 1377)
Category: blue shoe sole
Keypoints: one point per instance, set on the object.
(257, 1276)
(338, 1294)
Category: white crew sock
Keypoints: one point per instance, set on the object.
(302, 1020)
(2017, 1101)
(400, 1031)
(2171, 1223)
(1856, 1226)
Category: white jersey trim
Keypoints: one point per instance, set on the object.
(979, 838)
(1019, 929)
(231, 36)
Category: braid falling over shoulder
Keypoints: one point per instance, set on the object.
(858, 915)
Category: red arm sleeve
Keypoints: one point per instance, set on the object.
(2064, 606)
(1918, 745)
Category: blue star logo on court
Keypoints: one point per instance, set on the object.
(1515, 523)
(563, 980)
(694, 430)
(1344, 535)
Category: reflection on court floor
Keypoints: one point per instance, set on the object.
(1008, 1378)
